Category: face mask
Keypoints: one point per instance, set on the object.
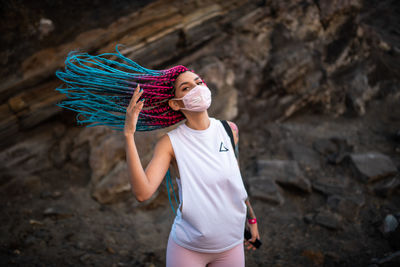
(198, 99)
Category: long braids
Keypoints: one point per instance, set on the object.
(100, 89)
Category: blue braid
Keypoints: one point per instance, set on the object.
(90, 81)
(169, 181)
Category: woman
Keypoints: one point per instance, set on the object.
(187, 246)
(208, 228)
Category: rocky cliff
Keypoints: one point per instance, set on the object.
(312, 85)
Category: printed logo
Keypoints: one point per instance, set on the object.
(223, 148)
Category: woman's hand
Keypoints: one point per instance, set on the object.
(254, 235)
(132, 112)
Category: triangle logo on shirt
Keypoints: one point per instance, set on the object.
(223, 148)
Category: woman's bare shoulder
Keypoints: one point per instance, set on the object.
(164, 144)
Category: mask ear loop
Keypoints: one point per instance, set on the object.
(176, 98)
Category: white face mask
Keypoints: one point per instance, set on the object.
(198, 99)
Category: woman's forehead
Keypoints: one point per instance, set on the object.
(186, 76)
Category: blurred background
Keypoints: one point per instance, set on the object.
(312, 85)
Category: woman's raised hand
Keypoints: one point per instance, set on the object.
(132, 112)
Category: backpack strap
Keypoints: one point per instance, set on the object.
(228, 129)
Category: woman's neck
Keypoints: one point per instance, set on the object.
(197, 120)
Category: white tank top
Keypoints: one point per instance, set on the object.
(211, 188)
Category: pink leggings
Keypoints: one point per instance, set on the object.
(178, 256)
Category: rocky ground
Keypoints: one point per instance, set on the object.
(318, 203)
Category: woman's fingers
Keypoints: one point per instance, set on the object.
(136, 94)
(139, 106)
(133, 110)
(132, 102)
(249, 245)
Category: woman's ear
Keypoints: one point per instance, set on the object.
(173, 105)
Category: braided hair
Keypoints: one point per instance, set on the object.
(99, 88)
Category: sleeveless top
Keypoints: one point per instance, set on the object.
(211, 190)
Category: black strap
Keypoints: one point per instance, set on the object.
(230, 133)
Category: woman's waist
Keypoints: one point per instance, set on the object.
(203, 218)
(210, 232)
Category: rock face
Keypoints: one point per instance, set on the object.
(312, 85)
(287, 56)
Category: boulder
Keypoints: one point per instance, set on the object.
(105, 154)
(372, 166)
(328, 219)
(386, 187)
(329, 186)
(265, 189)
(325, 218)
(114, 186)
(391, 230)
(284, 172)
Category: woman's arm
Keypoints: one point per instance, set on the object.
(144, 183)
(250, 211)
(253, 227)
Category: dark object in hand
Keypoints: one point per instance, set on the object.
(247, 236)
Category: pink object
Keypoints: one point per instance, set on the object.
(252, 221)
(178, 256)
(198, 99)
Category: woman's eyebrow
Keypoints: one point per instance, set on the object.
(195, 79)
(182, 84)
